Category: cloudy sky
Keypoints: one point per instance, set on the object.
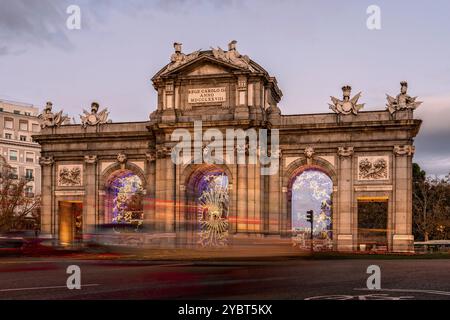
(312, 47)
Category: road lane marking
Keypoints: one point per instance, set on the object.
(44, 288)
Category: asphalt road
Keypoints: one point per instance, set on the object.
(27, 278)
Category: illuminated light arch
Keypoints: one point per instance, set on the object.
(124, 189)
(312, 190)
(207, 203)
(295, 169)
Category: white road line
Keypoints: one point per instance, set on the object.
(443, 293)
(43, 288)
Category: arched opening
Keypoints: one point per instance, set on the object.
(124, 201)
(312, 189)
(207, 206)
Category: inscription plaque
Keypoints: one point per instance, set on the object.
(207, 95)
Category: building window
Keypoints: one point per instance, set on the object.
(8, 136)
(29, 174)
(29, 157)
(9, 123)
(27, 113)
(23, 138)
(35, 127)
(13, 155)
(1, 109)
(23, 125)
(29, 191)
(16, 112)
(14, 174)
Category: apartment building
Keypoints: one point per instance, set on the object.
(18, 122)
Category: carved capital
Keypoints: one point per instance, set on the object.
(46, 161)
(242, 83)
(276, 153)
(404, 150)
(242, 149)
(345, 151)
(151, 156)
(90, 159)
(163, 152)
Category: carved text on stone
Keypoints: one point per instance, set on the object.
(207, 95)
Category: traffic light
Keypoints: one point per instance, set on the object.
(310, 219)
(310, 216)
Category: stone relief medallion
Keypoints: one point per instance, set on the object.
(373, 168)
(70, 175)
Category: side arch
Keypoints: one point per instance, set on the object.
(298, 166)
(295, 169)
(115, 167)
(106, 180)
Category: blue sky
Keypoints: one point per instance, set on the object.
(312, 47)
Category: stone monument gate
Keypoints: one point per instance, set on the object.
(353, 167)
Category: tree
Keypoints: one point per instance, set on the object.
(16, 204)
(431, 205)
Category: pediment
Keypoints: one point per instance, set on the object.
(202, 65)
(205, 69)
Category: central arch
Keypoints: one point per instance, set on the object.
(207, 205)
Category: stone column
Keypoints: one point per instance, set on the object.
(345, 232)
(403, 239)
(149, 201)
(251, 198)
(170, 195)
(47, 195)
(167, 190)
(274, 208)
(160, 192)
(242, 194)
(90, 200)
(259, 220)
(234, 200)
